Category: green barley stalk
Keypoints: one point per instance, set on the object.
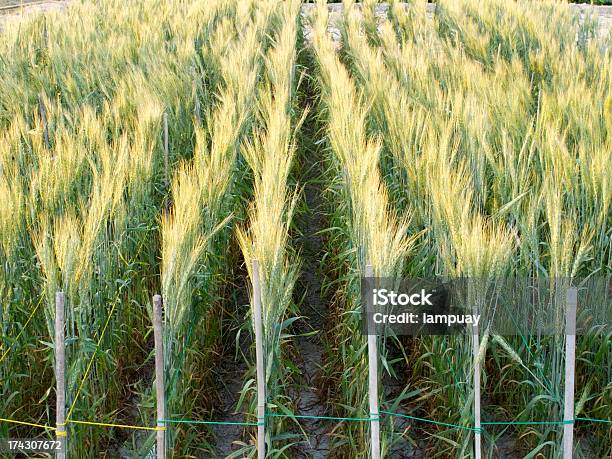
(266, 236)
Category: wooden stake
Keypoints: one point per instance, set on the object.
(159, 376)
(373, 385)
(43, 119)
(570, 359)
(477, 421)
(261, 378)
(166, 151)
(60, 375)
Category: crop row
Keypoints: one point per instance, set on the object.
(496, 140)
(159, 149)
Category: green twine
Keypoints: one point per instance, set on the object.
(594, 420)
(511, 423)
(474, 429)
(370, 419)
(328, 418)
(224, 423)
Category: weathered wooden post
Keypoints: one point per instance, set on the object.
(159, 376)
(60, 375)
(570, 360)
(259, 356)
(373, 384)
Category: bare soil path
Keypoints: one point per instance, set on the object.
(230, 375)
(310, 345)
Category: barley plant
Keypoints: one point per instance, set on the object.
(486, 184)
(265, 237)
(93, 175)
(154, 147)
(205, 196)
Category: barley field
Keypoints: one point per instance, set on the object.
(247, 158)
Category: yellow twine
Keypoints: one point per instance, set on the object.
(121, 426)
(27, 424)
